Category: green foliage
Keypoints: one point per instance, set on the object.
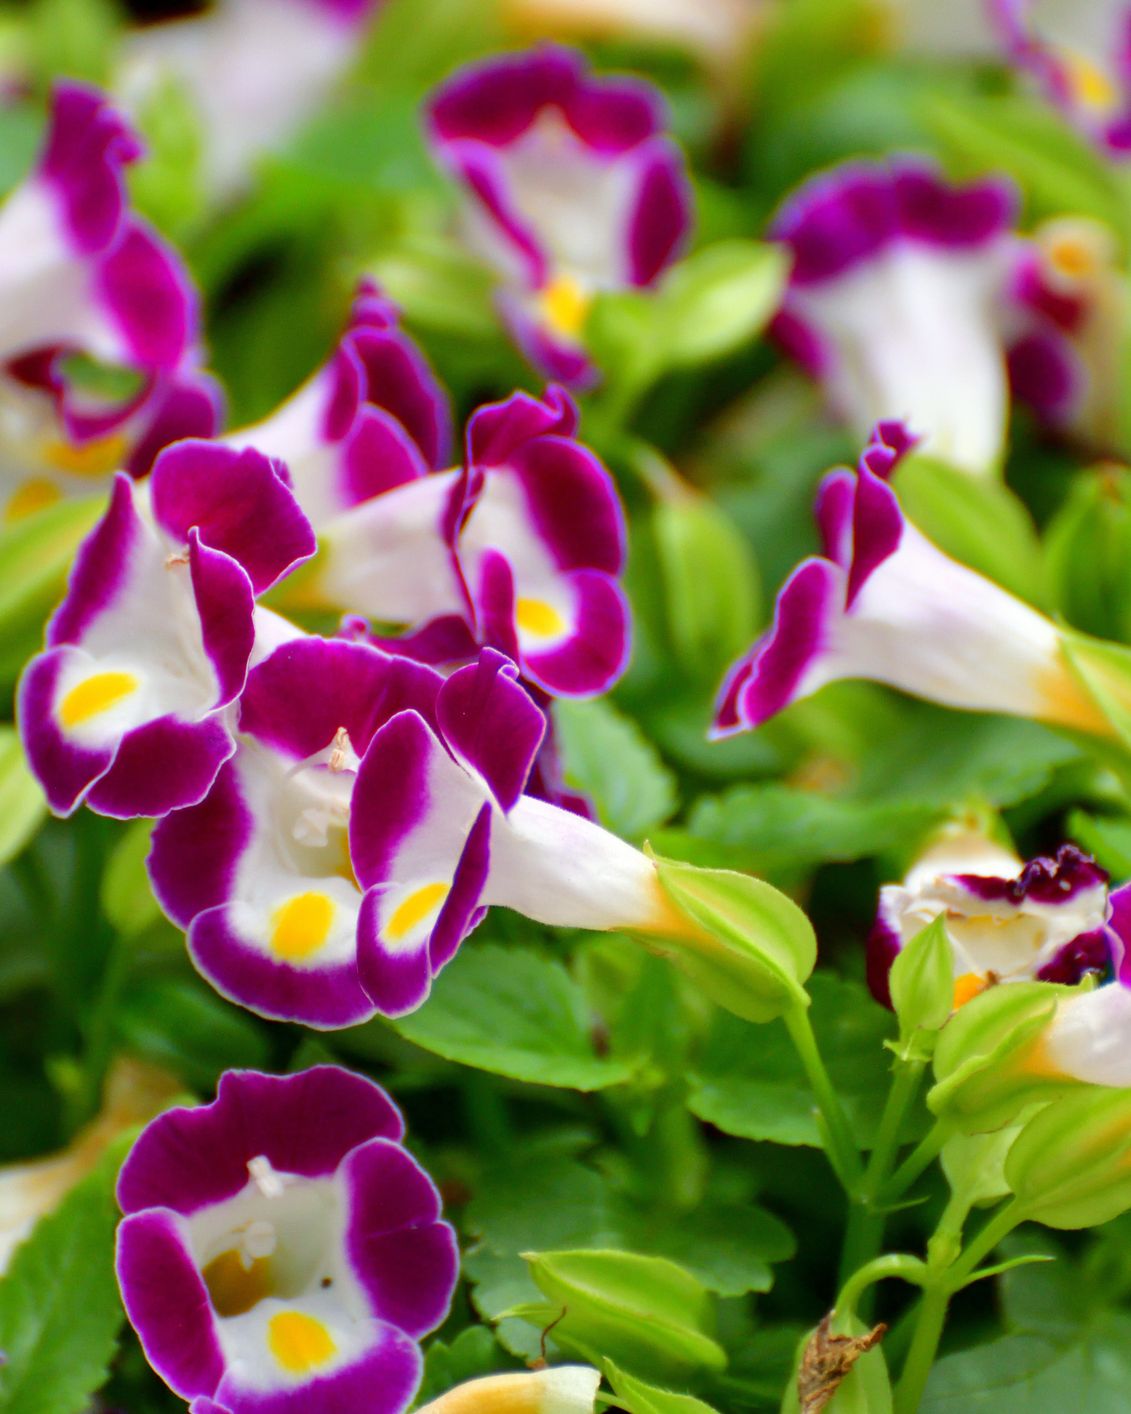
(636, 1397)
(22, 806)
(59, 1307)
(608, 758)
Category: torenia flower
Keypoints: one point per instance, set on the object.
(565, 1389)
(79, 272)
(1072, 315)
(1079, 51)
(134, 1092)
(126, 708)
(894, 302)
(374, 418)
(281, 1250)
(256, 70)
(885, 605)
(526, 541)
(372, 813)
(1006, 921)
(572, 188)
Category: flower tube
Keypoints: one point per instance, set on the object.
(1006, 921)
(563, 1389)
(885, 605)
(78, 271)
(281, 1249)
(1079, 53)
(374, 418)
(372, 813)
(126, 707)
(526, 542)
(572, 188)
(256, 70)
(895, 302)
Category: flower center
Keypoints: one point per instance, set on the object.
(300, 1343)
(564, 305)
(95, 695)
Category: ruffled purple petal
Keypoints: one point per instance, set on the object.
(390, 796)
(188, 405)
(661, 214)
(100, 567)
(406, 1259)
(596, 652)
(377, 456)
(64, 769)
(148, 297)
(163, 765)
(240, 502)
(382, 1381)
(488, 721)
(877, 528)
(226, 605)
(305, 1123)
(496, 431)
(572, 503)
(88, 146)
(194, 852)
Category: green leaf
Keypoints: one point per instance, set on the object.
(717, 299)
(977, 520)
(730, 1247)
(607, 757)
(127, 896)
(1108, 837)
(472, 1354)
(755, 1087)
(711, 589)
(636, 1397)
(59, 1307)
(22, 804)
(646, 1312)
(1104, 671)
(182, 1025)
(922, 982)
(1088, 553)
(514, 1012)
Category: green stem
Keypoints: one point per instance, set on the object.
(865, 1231)
(899, 1265)
(921, 1157)
(839, 1143)
(1000, 1225)
(929, 1324)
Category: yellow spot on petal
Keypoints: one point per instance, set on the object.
(1089, 84)
(300, 1343)
(95, 458)
(301, 926)
(1072, 257)
(95, 695)
(413, 910)
(32, 496)
(564, 306)
(539, 618)
(967, 987)
(234, 1287)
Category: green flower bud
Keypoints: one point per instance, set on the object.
(1070, 1167)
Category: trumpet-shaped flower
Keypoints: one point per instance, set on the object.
(374, 418)
(572, 185)
(78, 271)
(1071, 315)
(1006, 921)
(371, 814)
(884, 604)
(281, 1249)
(1079, 52)
(256, 70)
(126, 707)
(526, 541)
(895, 302)
(564, 1389)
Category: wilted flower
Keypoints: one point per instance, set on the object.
(125, 709)
(525, 541)
(281, 1250)
(375, 417)
(886, 605)
(565, 1389)
(256, 70)
(1078, 52)
(572, 186)
(895, 302)
(1006, 920)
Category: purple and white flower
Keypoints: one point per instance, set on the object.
(562, 1389)
(885, 605)
(1007, 921)
(281, 1250)
(374, 418)
(79, 273)
(895, 302)
(1071, 319)
(255, 70)
(1079, 53)
(372, 813)
(126, 708)
(526, 542)
(573, 187)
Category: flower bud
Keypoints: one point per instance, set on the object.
(1070, 1166)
